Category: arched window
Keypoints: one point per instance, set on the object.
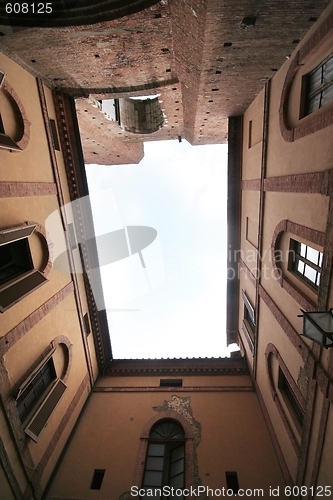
(14, 123)
(40, 390)
(309, 81)
(165, 458)
(18, 275)
(297, 254)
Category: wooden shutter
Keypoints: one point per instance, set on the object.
(12, 293)
(44, 412)
(16, 233)
(6, 142)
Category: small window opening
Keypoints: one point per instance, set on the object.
(15, 260)
(248, 22)
(86, 324)
(175, 382)
(54, 134)
(97, 479)
(232, 481)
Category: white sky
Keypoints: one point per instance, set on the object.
(176, 307)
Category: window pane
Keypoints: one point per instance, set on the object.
(327, 95)
(328, 70)
(310, 273)
(315, 79)
(178, 453)
(177, 481)
(153, 478)
(312, 255)
(313, 103)
(320, 259)
(156, 449)
(154, 463)
(318, 280)
(300, 267)
(303, 250)
(177, 467)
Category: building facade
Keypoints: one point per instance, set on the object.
(281, 250)
(76, 423)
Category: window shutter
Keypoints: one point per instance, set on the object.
(6, 142)
(16, 233)
(249, 307)
(44, 412)
(12, 293)
(35, 372)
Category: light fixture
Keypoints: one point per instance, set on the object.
(318, 327)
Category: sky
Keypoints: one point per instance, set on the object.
(168, 297)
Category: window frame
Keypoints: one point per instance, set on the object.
(249, 322)
(170, 445)
(42, 409)
(27, 281)
(294, 408)
(319, 89)
(295, 258)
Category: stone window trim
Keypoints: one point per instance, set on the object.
(59, 382)
(271, 350)
(23, 137)
(321, 118)
(143, 446)
(46, 266)
(306, 233)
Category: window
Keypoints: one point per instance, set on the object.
(249, 322)
(35, 389)
(174, 382)
(15, 259)
(97, 479)
(319, 86)
(38, 397)
(54, 134)
(286, 395)
(290, 398)
(232, 481)
(165, 459)
(86, 324)
(306, 262)
(17, 274)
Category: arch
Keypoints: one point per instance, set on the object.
(316, 121)
(272, 351)
(143, 446)
(23, 124)
(64, 341)
(47, 263)
(306, 233)
(76, 13)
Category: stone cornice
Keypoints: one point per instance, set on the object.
(179, 367)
